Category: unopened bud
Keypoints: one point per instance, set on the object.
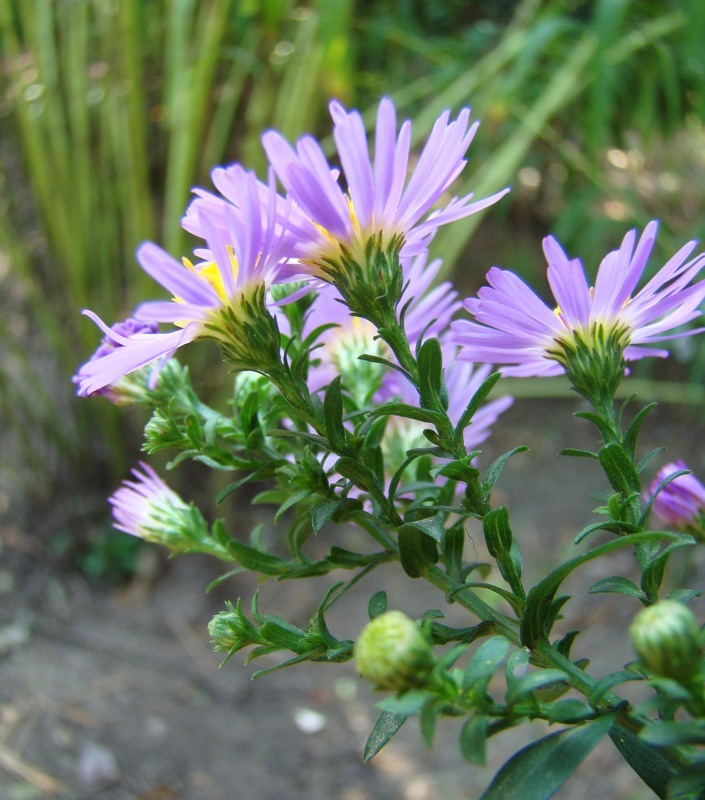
(229, 630)
(667, 639)
(393, 652)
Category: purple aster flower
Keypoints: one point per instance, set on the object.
(122, 392)
(142, 506)
(379, 200)
(515, 328)
(681, 503)
(243, 258)
(147, 508)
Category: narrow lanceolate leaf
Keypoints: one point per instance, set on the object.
(537, 614)
(409, 412)
(417, 550)
(665, 733)
(333, 416)
(384, 729)
(634, 428)
(255, 560)
(473, 740)
(476, 401)
(362, 476)
(653, 574)
(617, 585)
(483, 664)
(577, 453)
(539, 770)
(322, 512)
(495, 469)
(532, 681)
(430, 360)
(431, 526)
(651, 764)
(619, 469)
(377, 604)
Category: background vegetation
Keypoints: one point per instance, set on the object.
(111, 110)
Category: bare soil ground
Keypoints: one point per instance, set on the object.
(116, 695)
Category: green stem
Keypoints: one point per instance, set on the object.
(298, 398)
(468, 599)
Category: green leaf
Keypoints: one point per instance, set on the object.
(283, 634)
(540, 599)
(257, 474)
(659, 489)
(571, 710)
(613, 679)
(517, 603)
(577, 453)
(417, 550)
(652, 765)
(427, 722)
(362, 476)
(644, 460)
(688, 785)
(377, 604)
(667, 734)
(634, 428)
(430, 361)
(409, 703)
(473, 740)
(476, 401)
(534, 680)
(496, 467)
(538, 771)
(597, 421)
(290, 501)
(483, 665)
(431, 526)
(500, 543)
(409, 412)
(498, 533)
(322, 513)
(387, 363)
(652, 576)
(384, 729)
(460, 470)
(333, 416)
(617, 585)
(619, 469)
(618, 527)
(248, 557)
(453, 544)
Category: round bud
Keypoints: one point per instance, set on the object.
(667, 639)
(393, 652)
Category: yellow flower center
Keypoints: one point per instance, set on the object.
(209, 272)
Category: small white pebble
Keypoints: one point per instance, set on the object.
(309, 721)
(96, 766)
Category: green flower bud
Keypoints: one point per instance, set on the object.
(393, 652)
(667, 639)
(230, 630)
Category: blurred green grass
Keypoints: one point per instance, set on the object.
(112, 110)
